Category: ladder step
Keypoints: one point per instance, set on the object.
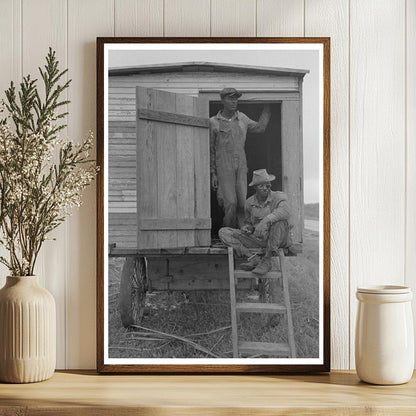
(264, 348)
(260, 307)
(242, 274)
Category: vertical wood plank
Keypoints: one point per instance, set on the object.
(185, 174)
(10, 44)
(166, 166)
(280, 18)
(141, 18)
(411, 149)
(331, 18)
(10, 67)
(291, 163)
(376, 135)
(233, 18)
(377, 152)
(86, 20)
(147, 191)
(187, 18)
(44, 24)
(138, 17)
(202, 179)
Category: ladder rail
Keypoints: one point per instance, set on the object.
(247, 347)
(291, 334)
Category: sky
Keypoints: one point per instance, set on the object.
(256, 55)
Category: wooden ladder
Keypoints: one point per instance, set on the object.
(249, 348)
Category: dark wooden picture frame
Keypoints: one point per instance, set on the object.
(132, 252)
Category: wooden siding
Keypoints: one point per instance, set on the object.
(122, 187)
(380, 167)
(377, 139)
(122, 115)
(192, 80)
(331, 18)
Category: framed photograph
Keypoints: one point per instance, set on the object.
(213, 205)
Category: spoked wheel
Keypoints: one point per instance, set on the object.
(132, 291)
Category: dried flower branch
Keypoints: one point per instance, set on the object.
(36, 193)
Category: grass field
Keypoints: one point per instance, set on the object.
(203, 317)
(311, 211)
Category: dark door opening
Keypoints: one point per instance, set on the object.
(263, 151)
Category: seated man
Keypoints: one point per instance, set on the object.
(266, 225)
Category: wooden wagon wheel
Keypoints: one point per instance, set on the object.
(133, 287)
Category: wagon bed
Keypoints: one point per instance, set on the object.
(215, 249)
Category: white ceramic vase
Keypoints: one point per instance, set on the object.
(27, 331)
(384, 341)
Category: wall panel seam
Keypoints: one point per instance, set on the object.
(21, 40)
(304, 17)
(66, 221)
(405, 144)
(349, 184)
(210, 18)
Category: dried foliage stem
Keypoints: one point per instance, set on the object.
(36, 193)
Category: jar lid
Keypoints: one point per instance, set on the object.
(384, 289)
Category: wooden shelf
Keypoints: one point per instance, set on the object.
(86, 393)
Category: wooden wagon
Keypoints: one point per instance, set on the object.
(162, 215)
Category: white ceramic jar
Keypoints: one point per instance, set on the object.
(384, 340)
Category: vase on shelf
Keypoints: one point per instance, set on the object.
(37, 192)
(27, 331)
(384, 343)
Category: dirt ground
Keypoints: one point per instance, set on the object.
(203, 317)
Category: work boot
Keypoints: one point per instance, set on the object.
(295, 249)
(263, 267)
(251, 263)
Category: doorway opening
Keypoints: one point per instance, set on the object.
(263, 151)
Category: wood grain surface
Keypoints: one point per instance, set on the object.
(186, 18)
(280, 18)
(373, 51)
(138, 17)
(85, 393)
(52, 257)
(377, 139)
(331, 18)
(410, 261)
(233, 17)
(10, 65)
(85, 19)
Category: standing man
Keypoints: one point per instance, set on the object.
(266, 225)
(228, 131)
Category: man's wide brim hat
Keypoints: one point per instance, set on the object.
(232, 92)
(261, 176)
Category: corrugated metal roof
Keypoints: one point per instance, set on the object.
(206, 67)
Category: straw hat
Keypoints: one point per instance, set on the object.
(261, 176)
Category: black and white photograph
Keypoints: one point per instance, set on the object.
(213, 204)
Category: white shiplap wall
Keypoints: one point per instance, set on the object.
(373, 130)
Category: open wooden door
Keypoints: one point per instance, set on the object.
(292, 158)
(173, 179)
